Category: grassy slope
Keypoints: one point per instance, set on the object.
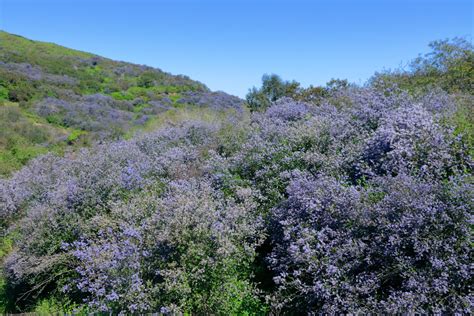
(68, 74)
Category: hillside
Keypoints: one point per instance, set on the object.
(54, 98)
(341, 199)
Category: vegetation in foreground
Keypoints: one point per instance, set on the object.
(337, 199)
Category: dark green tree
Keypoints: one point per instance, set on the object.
(146, 79)
(273, 88)
(449, 66)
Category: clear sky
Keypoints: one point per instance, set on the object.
(229, 44)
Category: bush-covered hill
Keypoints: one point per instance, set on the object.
(52, 98)
(346, 200)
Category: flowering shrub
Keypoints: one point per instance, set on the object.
(337, 181)
(173, 251)
(91, 113)
(287, 110)
(110, 271)
(214, 100)
(398, 245)
(360, 204)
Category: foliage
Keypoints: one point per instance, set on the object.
(396, 245)
(22, 137)
(358, 201)
(213, 100)
(363, 206)
(449, 65)
(273, 88)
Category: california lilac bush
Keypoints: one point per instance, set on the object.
(287, 110)
(36, 73)
(396, 245)
(108, 117)
(408, 140)
(110, 270)
(215, 100)
(327, 182)
(359, 204)
(90, 113)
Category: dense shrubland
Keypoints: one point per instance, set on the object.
(359, 207)
(336, 199)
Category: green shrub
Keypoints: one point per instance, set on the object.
(146, 79)
(74, 136)
(120, 95)
(3, 93)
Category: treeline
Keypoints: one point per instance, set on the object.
(449, 66)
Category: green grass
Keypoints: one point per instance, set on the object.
(74, 136)
(120, 95)
(53, 306)
(464, 122)
(24, 46)
(24, 135)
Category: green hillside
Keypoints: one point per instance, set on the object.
(54, 98)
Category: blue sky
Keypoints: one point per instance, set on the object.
(229, 44)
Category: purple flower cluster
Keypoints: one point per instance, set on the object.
(361, 204)
(340, 183)
(287, 110)
(109, 269)
(396, 245)
(136, 224)
(96, 113)
(157, 250)
(215, 100)
(36, 73)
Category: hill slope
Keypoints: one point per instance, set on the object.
(53, 97)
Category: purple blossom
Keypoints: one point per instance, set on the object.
(361, 204)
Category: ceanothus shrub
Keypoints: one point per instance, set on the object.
(287, 110)
(215, 100)
(110, 268)
(97, 113)
(186, 249)
(409, 140)
(398, 245)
